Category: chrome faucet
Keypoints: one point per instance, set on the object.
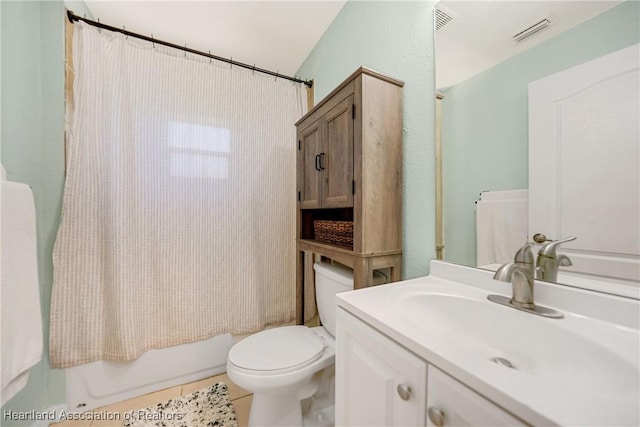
(521, 274)
(549, 262)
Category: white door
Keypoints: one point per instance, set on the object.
(584, 169)
(378, 383)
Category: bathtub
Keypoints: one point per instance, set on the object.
(102, 383)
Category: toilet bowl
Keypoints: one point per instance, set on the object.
(279, 365)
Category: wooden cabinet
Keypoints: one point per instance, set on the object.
(309, 149)
(380, 383)
(349, 168)
(325, 152)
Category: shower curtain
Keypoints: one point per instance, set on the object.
(178, 218)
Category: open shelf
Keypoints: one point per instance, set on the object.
(308, 216)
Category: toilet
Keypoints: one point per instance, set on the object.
(279, 365)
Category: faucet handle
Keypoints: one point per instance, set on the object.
(549, 250)
(540, 238)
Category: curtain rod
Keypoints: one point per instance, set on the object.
(73, 18)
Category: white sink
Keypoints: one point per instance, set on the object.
(575, 352)
(582, 369)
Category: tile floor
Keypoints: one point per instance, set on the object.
(241, 401)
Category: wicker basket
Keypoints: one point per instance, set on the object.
(336, 232)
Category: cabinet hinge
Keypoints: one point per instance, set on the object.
(353, 186)
(353, 111)
(298, 196)
(299, 144)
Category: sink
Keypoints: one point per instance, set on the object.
(573, 353)
(582, 369)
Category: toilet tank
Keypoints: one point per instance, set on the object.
(330, 280)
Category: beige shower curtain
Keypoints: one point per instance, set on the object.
(178, 219)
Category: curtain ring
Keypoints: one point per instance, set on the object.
(254, 69)
(210, 58)
(231, 62)
(185, 50)
(277, 73)
(126, 36)
(152, 42)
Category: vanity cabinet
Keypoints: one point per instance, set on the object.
(349, 168)
(381, 383)
(451, 403)
(378, 383)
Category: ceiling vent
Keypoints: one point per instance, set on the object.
(443, 16)
(531, 31)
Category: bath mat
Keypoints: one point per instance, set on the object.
(209, 407)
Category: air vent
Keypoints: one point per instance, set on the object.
(531, 30)
(444, 16)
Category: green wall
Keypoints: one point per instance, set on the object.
(32, 86)
(396, 39)
(485, 119)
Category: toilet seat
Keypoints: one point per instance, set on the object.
(277, 351)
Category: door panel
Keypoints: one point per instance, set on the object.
(337, 159)
(369, 369)
(584, 179)
(310, 141)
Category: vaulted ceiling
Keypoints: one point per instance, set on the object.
(276, 35)
(279, 35)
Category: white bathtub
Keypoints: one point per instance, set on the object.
(102, 383)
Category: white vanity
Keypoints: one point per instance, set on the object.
(434, 351)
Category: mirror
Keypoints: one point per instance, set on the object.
(495, 124)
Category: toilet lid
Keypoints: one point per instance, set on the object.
(283, 349)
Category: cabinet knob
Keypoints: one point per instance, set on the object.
(436, 416)
(404, 391)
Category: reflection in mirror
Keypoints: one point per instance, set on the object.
(539, 135)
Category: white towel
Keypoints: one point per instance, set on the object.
(21, 341)
(501, 229)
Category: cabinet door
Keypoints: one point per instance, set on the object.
(378, 382)
(337, 157)
(450, 403)
(309, 178)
